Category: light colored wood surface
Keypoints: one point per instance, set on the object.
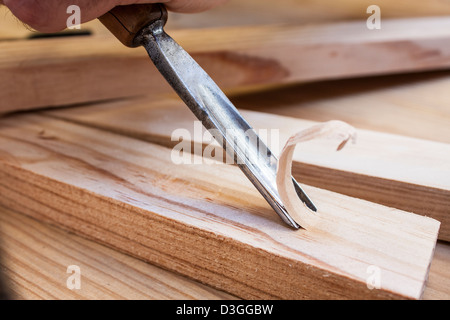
(413, 105)
(128, 194)
(260, 12)
(397, 171)
(68, 71)
(36, 258)
(438, 287)
(113, 275)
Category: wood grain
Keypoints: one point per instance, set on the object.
(36, 258)
(438, 287)
(396, 171)
(113, 275)
(413, 105)
(50, 72)
(127, 193)
(295, 11)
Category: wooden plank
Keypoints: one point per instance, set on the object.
(36, 257)
(405, 173)
(438, 287)
(113, 275)
(414, 105)
(128, 194)
(55, 72)
(294, 11)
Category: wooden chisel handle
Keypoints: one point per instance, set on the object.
(125, 22)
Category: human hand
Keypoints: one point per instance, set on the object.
(51, 15)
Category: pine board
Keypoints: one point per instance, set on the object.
(406, 173)
(36, 257)
(43, 73)
(127, 194)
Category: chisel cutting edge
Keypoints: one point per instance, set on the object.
(143, 25)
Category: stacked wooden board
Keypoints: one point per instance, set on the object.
(378, 168)
(256, 57)
(104, 171)
(128, 194)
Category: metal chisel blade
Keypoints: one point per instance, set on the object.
(216, 112)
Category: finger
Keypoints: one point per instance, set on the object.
(51, 16)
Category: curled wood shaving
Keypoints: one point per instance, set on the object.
(306, 218)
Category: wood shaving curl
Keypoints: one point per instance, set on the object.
(306, 218)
